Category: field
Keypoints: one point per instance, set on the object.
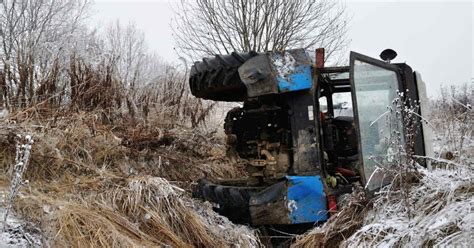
(84, 180)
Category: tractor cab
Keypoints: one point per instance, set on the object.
(361, 116)
(306, 133)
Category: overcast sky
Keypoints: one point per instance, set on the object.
(435, 38)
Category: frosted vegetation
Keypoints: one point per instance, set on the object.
(119, 140)
(51, 60)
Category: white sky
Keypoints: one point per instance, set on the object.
(435, 38)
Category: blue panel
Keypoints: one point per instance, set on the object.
(297, 79)
(306, 199)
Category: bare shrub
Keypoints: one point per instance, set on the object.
(453, 118)
(94, 87)
(169, 100)
(36, 36)
(52, 63)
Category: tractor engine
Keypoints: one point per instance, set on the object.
(259, 137)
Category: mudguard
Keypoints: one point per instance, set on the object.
(277, 72)
(294, 200)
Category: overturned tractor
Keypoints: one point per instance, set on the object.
(306, 133)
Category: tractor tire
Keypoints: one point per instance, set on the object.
(232, 202)
(218, 78)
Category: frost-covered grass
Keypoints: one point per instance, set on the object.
(15, 231)
(437, 211)
(99, 185)
(22, 157)
(436, 208)
(145, 212)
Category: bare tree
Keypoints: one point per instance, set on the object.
(127, 45)
(35, 34)
(207, 27)
(50, 60)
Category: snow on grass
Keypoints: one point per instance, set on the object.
(16, 232)
(439, 213)
(23, 150)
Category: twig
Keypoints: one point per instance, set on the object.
(21, 162)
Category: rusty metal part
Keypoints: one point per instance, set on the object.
(320, 58)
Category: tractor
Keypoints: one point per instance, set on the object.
(304, 132)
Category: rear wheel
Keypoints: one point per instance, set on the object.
(218, 78)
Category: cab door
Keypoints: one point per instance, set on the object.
(374, 85)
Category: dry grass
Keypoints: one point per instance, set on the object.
(97, 184)
(82, 145)
(83, 225)
(137, 212)
(158, 207)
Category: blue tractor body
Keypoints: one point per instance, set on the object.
(306, 199)
(301, 148)
(292, 200)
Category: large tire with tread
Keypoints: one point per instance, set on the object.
(218, 78)
(233, 202)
